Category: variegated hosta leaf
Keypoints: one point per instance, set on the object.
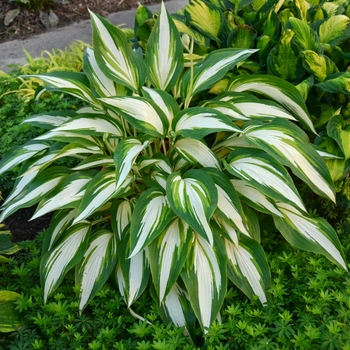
(42, 185)
(97, 264)
(194, 34)
(255, 198)
(159, 161)
(176, 308)
(197, 153)
(67, 253)
(198, 122)
(277, 89)
(114, 56)
(60, 222)
(167, 256)
(312, 234)
(288, 144)
(133, 273)
(247, 267)
(98, 192)
(66, 195)
(162, 100)
(229, 206)
(124, 157)
(206, 17)
(75, 84)
(121, 212)
(156, 179)
(150, 217)
(252, 223)
(226, 108)
(193, 198)
(212, 69)
(49, 120)
(205, 278)
(95, 161)
(104, 86)
(141, 113)
(164, 55)
(225, 229)
(265, 174)
(19, 154)
(91, 124)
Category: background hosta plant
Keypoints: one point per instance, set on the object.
(179, 176)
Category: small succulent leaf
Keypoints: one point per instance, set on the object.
(49, 120)
(198, 122)
(96, 266)
(167, 256)
(68, 251)
(19, 154)
(277, 89)
(114, 56)
(335, 30)
(311, 234)
(229, 205)
(66, 195)
(247, 267)
(254, 198)
(205, 17)
(121, 213)
(264, 173)
(135, 271)
(339, 130)
(124, 157)
(164, 101)
(212, 69)
(98, 192)
(75, 84)
(193, 198)
(41, 186)
(205, 278)
(288, 144)
(151, 216)
(94, 161)
(141, 113)
(164, 54)
(92, 123)
(176, 308)
(60, 222)
(104, 86)
(197, 153)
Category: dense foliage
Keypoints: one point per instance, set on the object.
(183, 157)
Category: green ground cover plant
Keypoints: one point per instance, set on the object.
(181, 174)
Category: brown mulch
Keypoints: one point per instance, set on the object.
(28, 20)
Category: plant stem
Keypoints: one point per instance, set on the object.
(189, 97)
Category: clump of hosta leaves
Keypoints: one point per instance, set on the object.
(176, 173)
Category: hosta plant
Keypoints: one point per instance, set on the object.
(178, 176)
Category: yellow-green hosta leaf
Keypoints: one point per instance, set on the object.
(10, 319)
(167, 256)
(205, 278)
(6, 245)
(206, 17)
(336, 83)
(49, 120)
(68, 251)
(114, 56)
(198, 122)
(150, 217)
(121, 212)
(141, 113)
(212, 69)
(197, 153)
(193, 198)
(199, 38)
(42, 185)
(19, 154)
(97, 264)
(265, 174)
(335, 30)
(247, 267)
(339, 130)
(312, 234)
(277, 89)
(75, 84)
(288, 144)
(104, 86)
(164, 54)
